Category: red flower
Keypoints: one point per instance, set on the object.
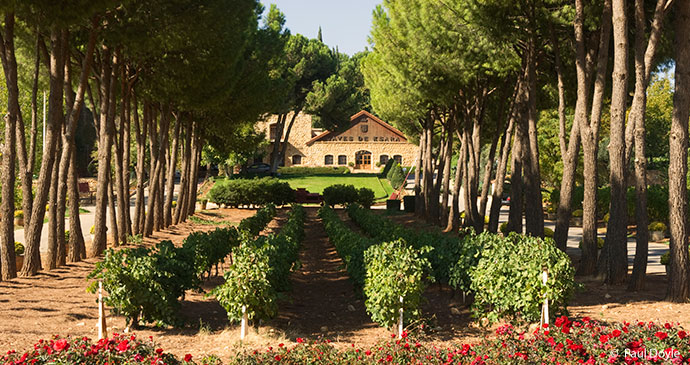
(603, 338)
(299, 340)
(277, 358)
(616, 333)
(60, 345)
(281, 344)
(404, 334)
(188, 357)
(367, 352)
(661, 335)
(682, 334)
(159, 351)
(123, 346)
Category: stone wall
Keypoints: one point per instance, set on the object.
(314, 154)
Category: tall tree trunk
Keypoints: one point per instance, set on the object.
(428, 169)
(55, 114)
(275, 154)
(120, 185)
(141, 132)
(53, 225)
(170, 183)
(616, 257)
(474, 153)
(419, 170)
(453, 223)
(448, 157)
(497, 196)
(194, 180)
(99, 243)
(114, 226)
(127, 223)
(643, 58)
(679, 264)
(534, 213)
(183, 197)
(589, 131)
(520, 148)
(158, 216)
(156, 168)
(9, 65)
(488, 172)
(284, 145)
(77, 247)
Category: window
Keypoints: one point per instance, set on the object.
(342, 160)
(383, 159)
(273, 132)
(328, 160)
(364, 128)
(398, 159)
(296, 160)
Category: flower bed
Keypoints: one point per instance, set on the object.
(565, 342)
(119, 349)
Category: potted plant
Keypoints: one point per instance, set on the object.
(656, 231)
(19, 254)
(18, 218)
(576, 219)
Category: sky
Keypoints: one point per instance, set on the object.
(344, 23)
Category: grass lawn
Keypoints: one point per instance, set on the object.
(316, 183)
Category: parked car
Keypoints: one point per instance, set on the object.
(259, 168)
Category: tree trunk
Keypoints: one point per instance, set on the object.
(53, 225)
(55, 114)
(194, 180)
(120, 186)
(275, 154)
(534, 213)
(488, 172)
(419, 168)
(77, 247)
(453, 223)
(448, 156)
(9, 65)
(679, 265)
(99, 243)
(428, 169)
(589, 131)
(141, 132)
(158, 216)
(127, 223)
(497, 196)
(615, 264)
(183, 198)
(114, 226)
(283, 148)
(170, 183)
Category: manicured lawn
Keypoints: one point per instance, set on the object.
(315, 184)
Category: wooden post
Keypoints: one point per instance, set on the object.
(243, 329)
(545, 306)
(102, 328)
(400, 320)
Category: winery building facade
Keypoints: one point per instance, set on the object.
(367, 141)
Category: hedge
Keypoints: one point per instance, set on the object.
(396, 176)
(309, 171)
(340, 194)
(255, 192)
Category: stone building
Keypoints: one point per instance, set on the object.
(365, 143)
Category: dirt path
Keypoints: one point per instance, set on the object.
(323, 302)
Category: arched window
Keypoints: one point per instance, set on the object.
(296, 160)
(398, 159)
(383, 159)
(342, 160)
(328, 160)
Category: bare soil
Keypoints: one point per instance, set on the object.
(322, 303)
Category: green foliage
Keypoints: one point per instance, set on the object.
(506, 283)
(600, 243)
(340, 194)
(665, 258)
(145, 284)
(394, 270)
(446, 248)
(577, 213)
(257, 192)
(247, 284)
(387, 168)
(18, 214)
(657, 226)
(210, 248)
(472, 251)
(365, 197)
(312, 171)
(260, 270)
(396, 176)
(258, 222)
(350, 245)
(18, 248)
(548, 232)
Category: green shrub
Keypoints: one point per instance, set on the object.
(657, 226)
(365, 197)
(666, 258)
(210, 248)
(340, 194)
(256, 192)
(577, 213)
(258, 222)
(144, 284)
(548, 232)
(311, 171)
(18, 248)
(471, 253)
(394, 269)
(396, 176)
(507, 279)
(503, 228)
(247, 284)
(387, 167)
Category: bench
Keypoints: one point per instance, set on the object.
(302, 196)
(85, 192)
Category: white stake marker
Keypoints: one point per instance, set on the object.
(545, 306)
(102, 329)
(243, 329)
(400, 321)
